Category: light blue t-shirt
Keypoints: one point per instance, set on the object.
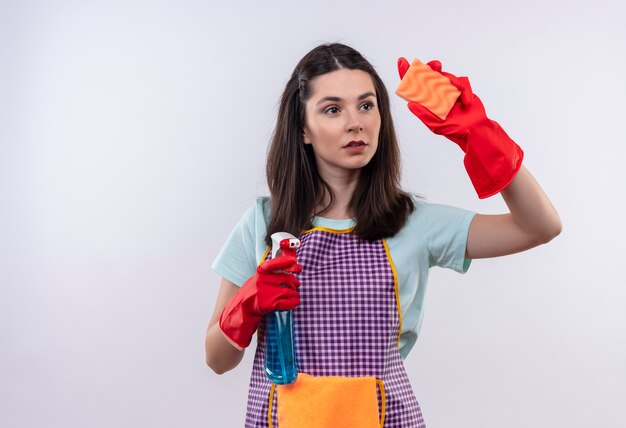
(434, 235)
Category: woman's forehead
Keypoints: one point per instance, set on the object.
(343, 83)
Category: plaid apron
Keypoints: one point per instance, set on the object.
(346, 325)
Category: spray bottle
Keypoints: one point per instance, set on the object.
(280, 357)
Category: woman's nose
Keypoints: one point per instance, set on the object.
(353, 123)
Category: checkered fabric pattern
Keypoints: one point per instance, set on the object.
(346, 325)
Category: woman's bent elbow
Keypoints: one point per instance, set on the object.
(223, 358)
(551, 232)
(217, 369)
(220, 355)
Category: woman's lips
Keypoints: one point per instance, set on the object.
(355, 146)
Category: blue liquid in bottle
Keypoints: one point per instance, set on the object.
(280, 358)
(280, 355)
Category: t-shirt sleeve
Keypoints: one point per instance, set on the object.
(446, 238)
(239, 257)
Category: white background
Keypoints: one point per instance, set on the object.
(133, 136)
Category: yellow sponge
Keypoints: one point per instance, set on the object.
(429, 88)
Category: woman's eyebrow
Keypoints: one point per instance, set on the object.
(337, 99)
(367, 94)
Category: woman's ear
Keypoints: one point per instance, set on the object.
(305, 137)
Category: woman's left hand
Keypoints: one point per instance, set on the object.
(492, 158)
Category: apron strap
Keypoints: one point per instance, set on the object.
(271, 403)
(383, 403)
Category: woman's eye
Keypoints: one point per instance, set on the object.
(367, 106)
(331, 110)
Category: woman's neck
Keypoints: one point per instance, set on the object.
(342, 186)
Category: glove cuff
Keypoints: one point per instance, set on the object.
(492, 159)
(238, 327)
(232, 341)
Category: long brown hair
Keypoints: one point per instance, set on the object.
(296, 188)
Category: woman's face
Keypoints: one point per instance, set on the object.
(342, 121)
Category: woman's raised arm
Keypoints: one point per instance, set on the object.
(533, 221)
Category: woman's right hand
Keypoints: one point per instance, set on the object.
(271, 288)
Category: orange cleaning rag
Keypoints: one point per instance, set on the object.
(330, 401)
(429, 88)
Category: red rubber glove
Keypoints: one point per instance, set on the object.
(492, 158)
(267, 290)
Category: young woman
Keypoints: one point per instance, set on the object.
(358, 284)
